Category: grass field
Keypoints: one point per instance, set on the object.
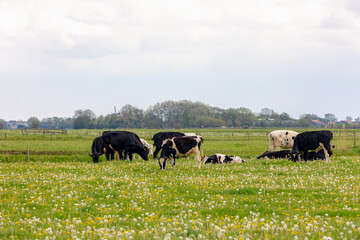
(61, 194)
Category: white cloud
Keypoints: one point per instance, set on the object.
(259, 40)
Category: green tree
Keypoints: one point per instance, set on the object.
(34, 122)
(84, 119)
(2, 124)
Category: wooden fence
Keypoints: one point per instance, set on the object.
(44, 131)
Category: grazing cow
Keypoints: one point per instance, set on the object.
(147, 145)
(161, 136)
(98, 148)
(276, 154)
(222, 159)
(314, 140)
(180, 147)
(122, 141)
(281, 139)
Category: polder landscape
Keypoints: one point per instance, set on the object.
(57, 192)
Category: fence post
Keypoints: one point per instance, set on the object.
(5, 135)
(28, 153)
(248, 136)
(354, 138)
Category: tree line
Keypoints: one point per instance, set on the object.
(180, 114)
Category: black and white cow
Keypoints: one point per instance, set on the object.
(314, 140)
(122, 141)
(281, 139)
(222, 159)
(276, 154)
(180, 147)
(158, 139)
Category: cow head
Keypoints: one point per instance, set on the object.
(143, 153)
(95, 157)
(238, 159)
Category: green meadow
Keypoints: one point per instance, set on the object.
(58, 193)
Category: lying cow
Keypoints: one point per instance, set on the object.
(314, 140)
(320, 155)
(281, 139)
(158, 139)
(222, 159)
(180, 147)
(276, 154)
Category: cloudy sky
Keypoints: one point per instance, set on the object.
(287, 55)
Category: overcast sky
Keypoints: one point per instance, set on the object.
(287, 55)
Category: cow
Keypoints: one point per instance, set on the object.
(98, 148)
(222, 159)
(180, 147)
(158, 139)
(314, 140)
(320, 155)
(146, 144)
(281, 139)
(122, 141)
(276, 154)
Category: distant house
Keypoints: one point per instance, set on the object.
(344, 122)
(317, 123)
(16, 125)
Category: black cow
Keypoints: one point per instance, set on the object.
(222, 159)
(180, 147)
(320, 155)
(160, 137)
(122, 141)
(314, 140)
(276, 154)
(98, 148)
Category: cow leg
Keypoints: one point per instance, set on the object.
(130, 154)
(305, 156)
(117, 156)
(198, 159)
(271, 147)
(162, 163)
(277, 148)
(327, 157)
(121, 156)
(173, 162)
(157, 150)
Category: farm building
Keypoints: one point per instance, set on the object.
(16, 125)
(317, 123)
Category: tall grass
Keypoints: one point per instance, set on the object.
(61, 194)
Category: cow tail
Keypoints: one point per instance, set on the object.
(202, 149)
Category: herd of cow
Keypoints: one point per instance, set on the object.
(299, 146)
